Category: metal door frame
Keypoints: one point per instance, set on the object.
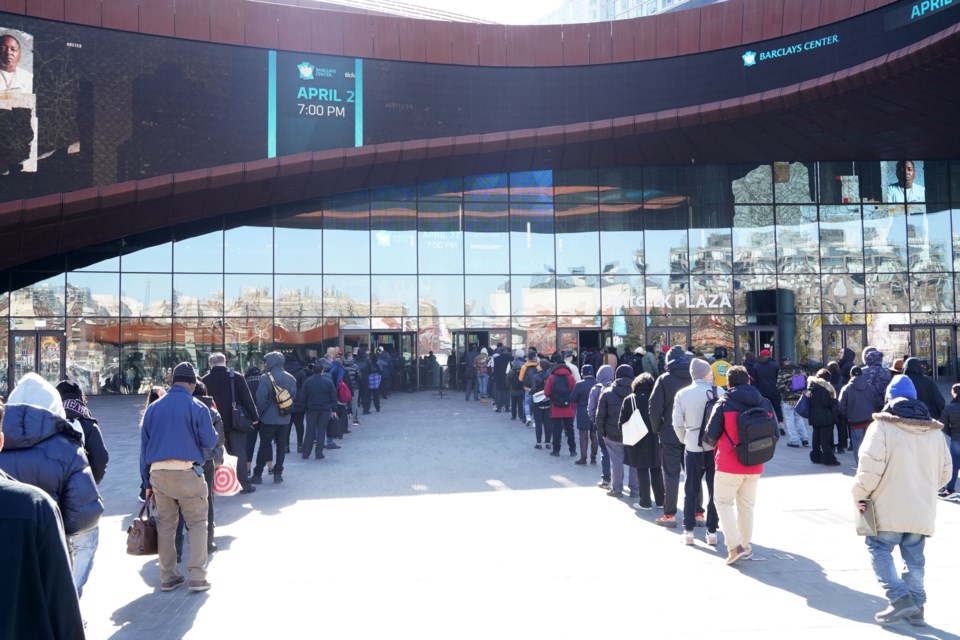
(686, 329)
(844, 328)
(353, 332)
(38, 334)
(952, 329)
(756, 329)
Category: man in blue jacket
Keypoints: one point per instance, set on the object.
(175, 431)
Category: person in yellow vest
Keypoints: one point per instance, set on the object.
(720, 367)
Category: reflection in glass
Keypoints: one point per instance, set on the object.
(622, 295)
(99, 257)
(806, 293)
(578, 243)
(532, 239)
(711, 241)
(754, 244)
(347, 296)
(841, 239)
(621, 239)
(794, 182)
(486, 238)
(194, 339)
(93, 294)
(842, 293)
(440, 237)
(531, 186)
(298, 296)
(884, 239)
(446, 190)
(578, 295)
(394, 295)
(298, 243)
(248, 295)
(249, 250)
(393, 237)
(928, 238)
(145, 353)
(197, 294)
(43, 297)
(491, 187)
(150, 258)
(903, 181)
(346, 235)
(92, 353)
(668, 295)
(711, 295)
(535, 332)
(798, 244)
(893, 344)
(247, 341)
(749, 183)
(146, 294)
(577, 186)
(707, 332)
(665, 236)
(745, 285)
(202, 254)
(621, 185)
(441, 295)
(808, 340)
(487, 295)
(533, 296)
(931, 292)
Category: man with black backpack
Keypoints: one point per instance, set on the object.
(558, 388)
(743, 428)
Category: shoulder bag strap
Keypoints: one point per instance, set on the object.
(233, 391)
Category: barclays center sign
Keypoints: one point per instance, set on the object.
(751, 58)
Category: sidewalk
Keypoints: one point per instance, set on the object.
(438, 519)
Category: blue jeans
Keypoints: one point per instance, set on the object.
(911, 550)
(471, 388)
(84, 546)
(616, 451)
(856, 439)
(483, 380)
(604, 460)
(797, 426)
(527, 400)
(955, 456)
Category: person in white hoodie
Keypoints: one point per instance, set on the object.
(689, 424)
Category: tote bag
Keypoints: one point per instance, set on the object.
(634, 428)
(225, 482)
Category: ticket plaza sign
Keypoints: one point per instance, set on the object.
(676, 301)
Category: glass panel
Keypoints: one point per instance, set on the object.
(298, 243)
(665, 186)
(198, 295)
(798, 246)
(620, 185)
(146, 356)
(24, 355)
(893, 344)
(931, 292)
(578, 186)
(750, 183)
(194, 339)
(935, 180)
(578, 243)
(532, 239)
(794, 182)
(535, 332)
(43, 297)
(833, 343)
(887, 293)
(754, 245)
(668, 295)
(441, 295)
(436, 335)
(440, 238)
(487, 295)
(800, 293)
(578, 295)
(533, 296)
(928, 235)
(101, 257)
(393, 237)
(151, 259)
(856, 340)
(298, 296)
(49, 355)
(248, 295)
(247, 341)
(922, 347)
(711, 240)
(346, 235)
(32, 324)
(665, 235)
(806, 341)
(841, 294)
(394, 295)
(450, 189)
(487, 238)
(841, 239)
(395, 193)
(622, 295)
(944, 352)
(249, 249)
(146, 294)
(492, 187)
(303, 336)
(751, 296)
(904, 181)
(710, 295)
(531, 186)
(621, 239)
(347, 296)
(711, 331)
(202, 254)
(93, 294)
(884, 239)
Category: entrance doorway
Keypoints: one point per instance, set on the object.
(579, 340)
(354, 340)
(661, 337)
(402, 346)
(43, 353)
(755, 339)
(935, 347)
(836, 338)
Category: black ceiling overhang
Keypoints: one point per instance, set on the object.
(901, 105)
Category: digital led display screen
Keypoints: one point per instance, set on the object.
(82, 106)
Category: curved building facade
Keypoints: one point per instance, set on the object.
(784, 184)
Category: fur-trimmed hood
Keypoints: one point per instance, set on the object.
(813, 380)
(910, 425)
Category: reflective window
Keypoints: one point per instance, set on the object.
(884, 239)
(903, 181)
(533, 296)
(298, 296)
(93, 355)
(101, 257)
(450, 189)
(532, 239)
(440, 237)
(194, 339)
(200, 254)
(146, 294)
(395, 193)
(249, 250)
(711, 294)
(393, 237)
(346, 235)
(531, 186)
(394, 295)
(491, 187)
(668, 296)
(801, 292)
(487, 295)
(486, 238)
(665, 187)
(346, 296)
(621, 239)
(441, 295)
(620, 185)
(711, 241)
(578, 243)
(747, 184)
(146, 357)
(248, 295)
(535, 332)
(93, 294)
(795, 182)
(928, 239)
(754, 242)
(806, 339)
(298, 243)
(750, 295)
(842, 293)
(798, 239)
(146, 258)
(841, 239)
(40, 294)
(578, 295)
(578, 186)
(246, 342)
(931, 292)
(622, 295)
(197, 295)
(665, 235)
(887, 293)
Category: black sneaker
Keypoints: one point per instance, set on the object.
(332, 445)
(917, 620)
(538, 446)
(256, 480)
(248, 490)
(901, 608)
(277, 478)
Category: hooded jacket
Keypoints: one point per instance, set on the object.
(951, 420)
(722, 427)
(605, 378)
(42, 449)
(873, 370)
(570, 410)
(927, 391)
(846, 363)
(295, 369)
(93, 446)
(646, 453)
(904, 459)
(858, 401)
(823, 400)
(676, 377)
(767, 373)
(608, 408)
(688, 409)
(581, 398)
(650, 363)
(267, 397)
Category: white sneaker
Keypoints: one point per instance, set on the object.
(687, 537)
(712, 539)
(640, 507)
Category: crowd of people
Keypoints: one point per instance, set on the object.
(701, 417)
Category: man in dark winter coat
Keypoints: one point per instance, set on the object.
(580, 397)
(45, 450)
(877, 375)
(676, 377)
(320, 401)
(608, 424)
(292, 366)
(84, 545)
(352, 376)
(846, 363)
(766, 373)
(927, 391)
(605, 378)
(219, 382)
(37, 595)
(274, 423)
(501, 391)
(857, 403)
(951, 428)
(823, 417)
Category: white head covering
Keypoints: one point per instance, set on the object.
(35, 391)
(483, 351)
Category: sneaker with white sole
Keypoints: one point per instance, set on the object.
(712, 539)
(641, 507)
(900, 608)
(687, 537)
(736, 554)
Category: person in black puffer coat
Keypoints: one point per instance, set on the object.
(608, 426)
(846, 363)
(43, 449)
(292, 366)
(645, 455)
(676, 377)
(875, 373)
(766, 372)
(857, 403)
(823, 402)
(951, 428)
(927, 391)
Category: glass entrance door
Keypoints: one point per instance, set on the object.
(836, 338)
(661, 337)
(39, 352)
(755, 339)
(935, 348)
(355, 340)
(408, 361)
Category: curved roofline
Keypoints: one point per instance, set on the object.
(854, 114)
(315, 30)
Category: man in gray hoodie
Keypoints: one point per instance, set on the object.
(605, 377)
(688, 423)
(274, 420)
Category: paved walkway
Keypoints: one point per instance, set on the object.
(438, 519)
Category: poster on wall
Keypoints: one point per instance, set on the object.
(18, 102)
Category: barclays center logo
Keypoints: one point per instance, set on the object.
(306, 70)
(749, 58)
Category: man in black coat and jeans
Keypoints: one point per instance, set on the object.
(767, 373)
(927, 391)
(218, 383)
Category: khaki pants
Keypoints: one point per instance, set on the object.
(188, 491)
(742, 489)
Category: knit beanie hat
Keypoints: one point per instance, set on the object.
(676, 354)
(69, 389)
(856, 371)
(184, 372)
(901, 387)
(699, 369)
(586, 370)
(624, 371)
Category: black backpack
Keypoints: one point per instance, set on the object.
(757, 432)
(530, 378)
(560, 392)
(712, 397)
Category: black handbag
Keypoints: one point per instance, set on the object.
(241, 421)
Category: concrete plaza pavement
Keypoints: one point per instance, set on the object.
(438, 519)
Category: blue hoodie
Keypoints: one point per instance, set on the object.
(605, 376)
